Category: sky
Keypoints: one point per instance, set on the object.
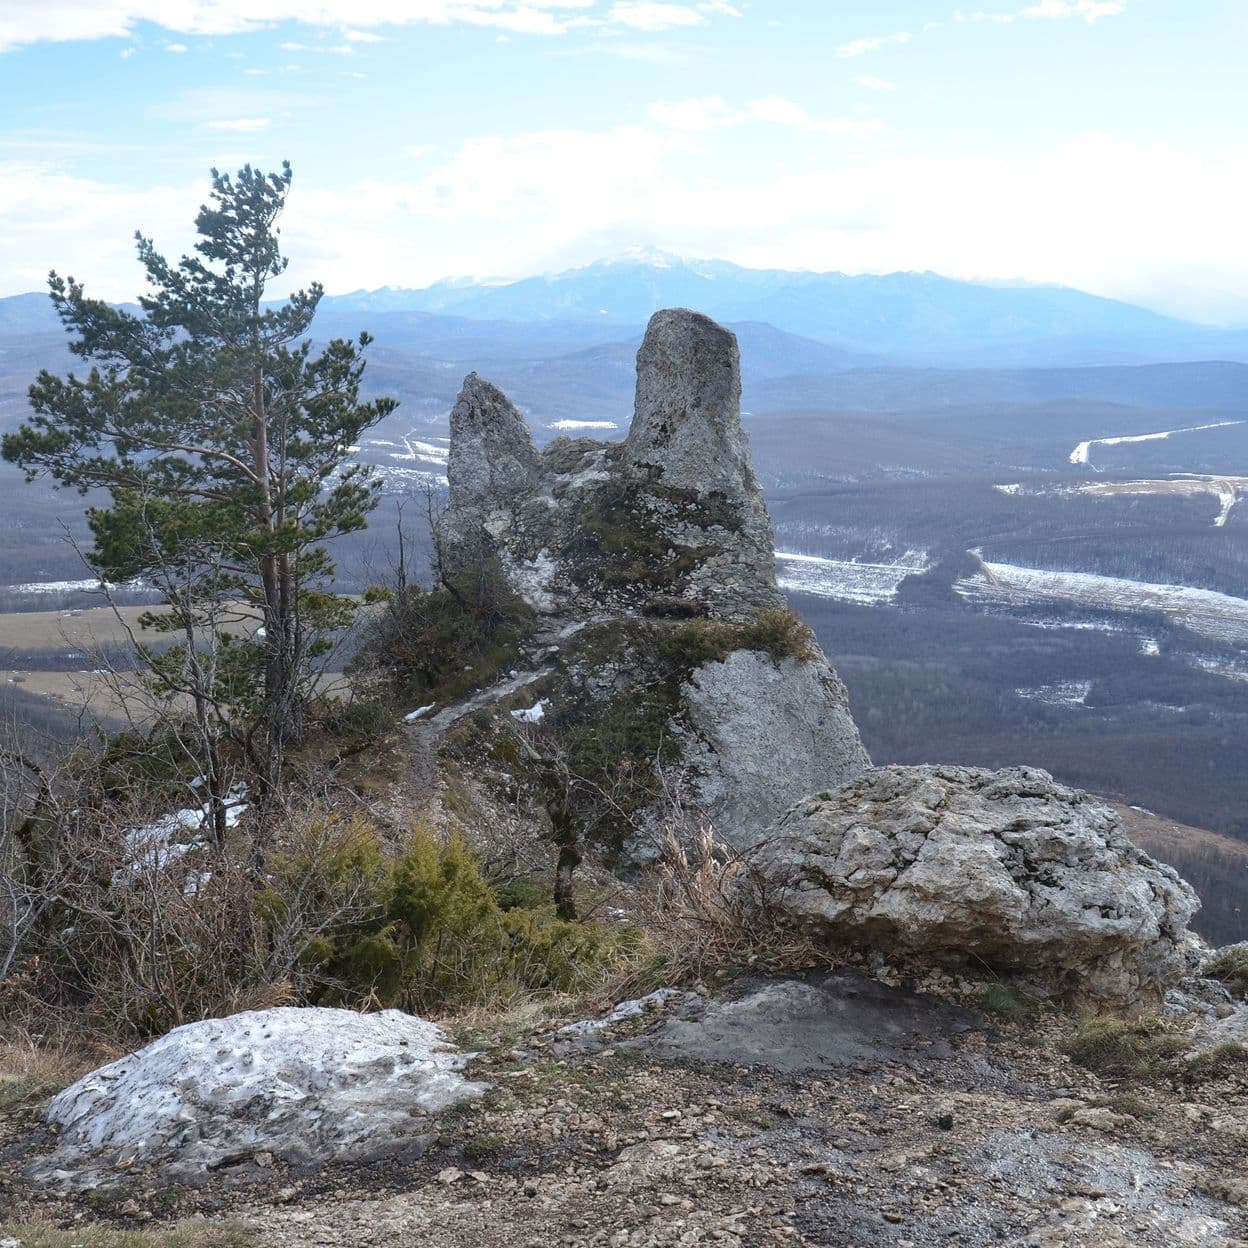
(1101, 144)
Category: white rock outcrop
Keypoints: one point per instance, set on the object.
(304, 1085)
(1001, 870)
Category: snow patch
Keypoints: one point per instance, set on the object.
(86, 585)
(584, 424)
(423, 452)
(1081, 452)
(1226, 489)
(627, 1010)
(155, 846)
(846, 580)
(534, 715)
(419, 713)
(400, 480)
(1204, 611)
(1061, 693)
(533, 581)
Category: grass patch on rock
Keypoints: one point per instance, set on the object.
(1231, 968)
(779, 634)
(1142, 1048)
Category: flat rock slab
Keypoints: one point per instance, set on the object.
(823, 1022)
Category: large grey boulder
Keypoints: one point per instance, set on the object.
(304, 1085)
(996, 870)
(687, 416)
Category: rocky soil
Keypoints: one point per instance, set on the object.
(830, 1110)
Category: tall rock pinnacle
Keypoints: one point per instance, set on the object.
(687, 419)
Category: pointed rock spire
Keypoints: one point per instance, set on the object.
(492, 452)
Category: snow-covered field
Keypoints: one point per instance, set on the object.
(55, 587)
(395, 461)
(1063, 693)
(1180, 484)
(846, 580)
(1204, 611)
(1226, 490)
(401, 480)
(565, 425)
(1082, 452)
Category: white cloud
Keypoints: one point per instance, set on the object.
(700, 116)
(871, 83)
(872, 43)
(1132, 220)
(53, 220)
(241, 125)
(1089, 10)
(1053, 10)
(22, 22)
(176, 47)
(208, 105)
(645, 51)
(321, 49)
(641, 15)
(1098, 213)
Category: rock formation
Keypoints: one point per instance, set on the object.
(302, 1085)
(650, 565)
(671, 517)
(1003, 870)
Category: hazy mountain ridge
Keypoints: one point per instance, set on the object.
(897, 319)
(913, 318)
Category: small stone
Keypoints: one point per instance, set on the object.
(1099, 1117)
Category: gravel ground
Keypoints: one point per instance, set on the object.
(965, 1135)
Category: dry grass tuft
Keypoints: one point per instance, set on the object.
(33, 1067)
(704, 923)
(195, 1234)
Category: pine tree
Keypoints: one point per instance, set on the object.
(223, 443)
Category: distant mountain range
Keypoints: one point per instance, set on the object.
(900, 318)
(563, 346)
